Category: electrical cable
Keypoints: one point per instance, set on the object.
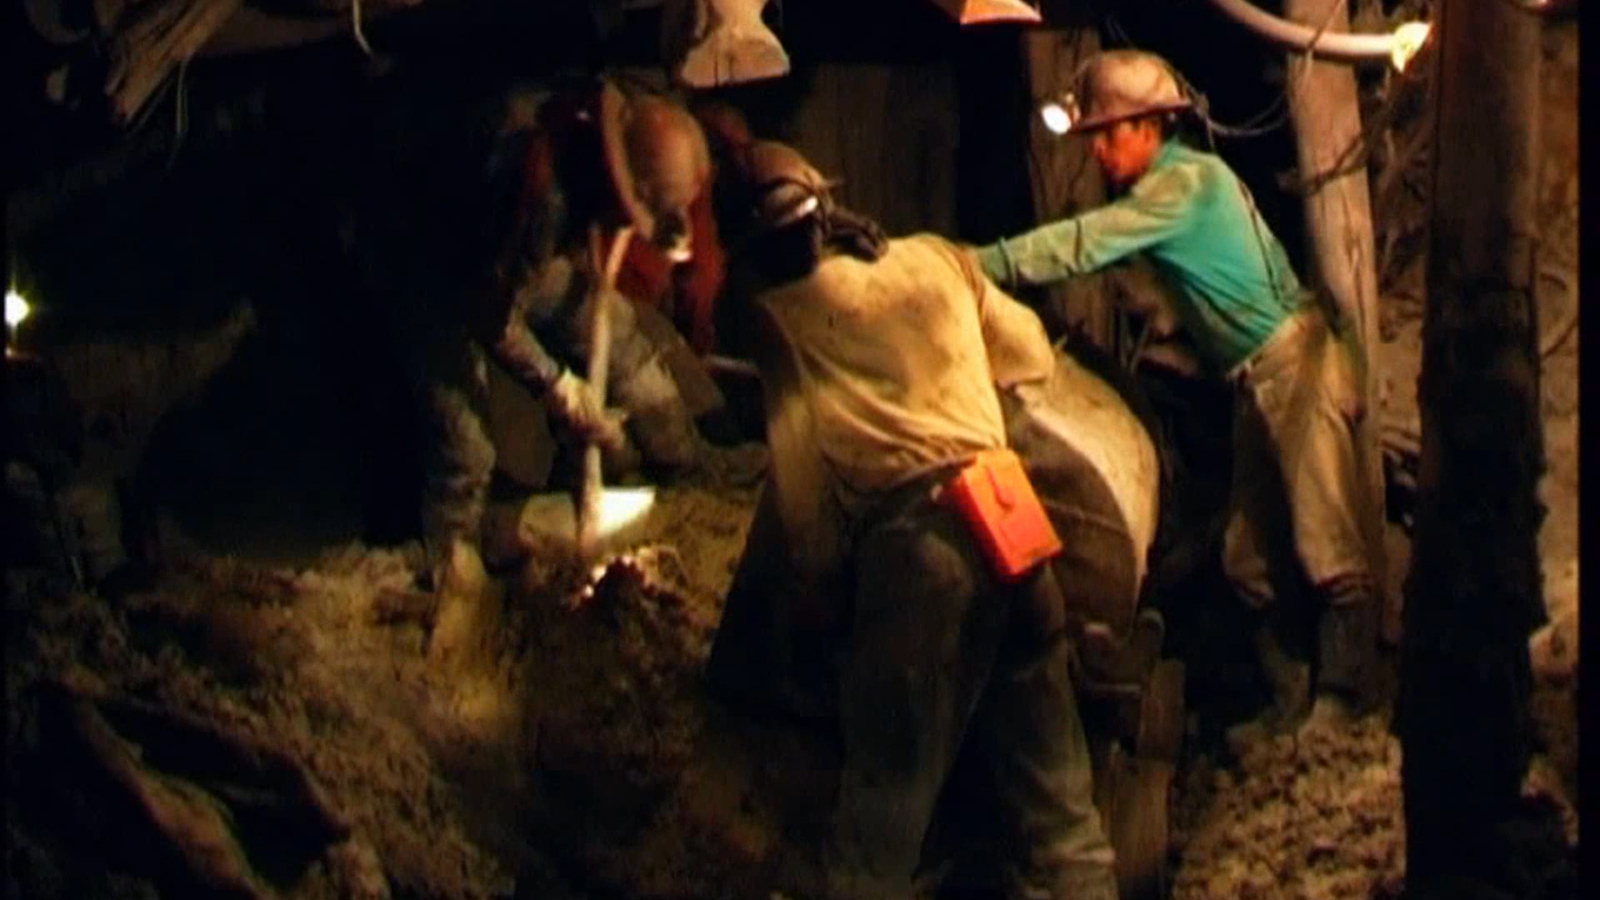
(1264, 122)
(180, 125)
(357, 31)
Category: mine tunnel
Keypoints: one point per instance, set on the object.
(792, 448)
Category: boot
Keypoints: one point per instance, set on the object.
(1347, 637)
(1290, 682)
(462, 620)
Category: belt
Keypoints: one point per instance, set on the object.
(894, 501)
(1292, 327)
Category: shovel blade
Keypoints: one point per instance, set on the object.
(551, 520)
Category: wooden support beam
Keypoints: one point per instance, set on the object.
(157, 37)
(1065, 179)
(1473, 595)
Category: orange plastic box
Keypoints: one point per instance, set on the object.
(995, 496)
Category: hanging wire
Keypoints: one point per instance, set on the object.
(1333, 10)
(1267, 120)
(358, 31)
(180, 124)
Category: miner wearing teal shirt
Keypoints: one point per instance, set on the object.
(1296, 501)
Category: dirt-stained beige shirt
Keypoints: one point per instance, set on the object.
(877, 372)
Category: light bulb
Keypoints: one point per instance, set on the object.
(1408, 39)
(17, 308)
(1056, 118)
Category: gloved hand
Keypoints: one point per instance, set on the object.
(573, 401)
(855, 234)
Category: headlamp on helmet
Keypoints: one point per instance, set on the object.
(1060, 112)
(786, 188)
(1112, 87)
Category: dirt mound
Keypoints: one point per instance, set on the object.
(264, 658)
(584, 733)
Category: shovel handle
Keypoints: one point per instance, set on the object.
(604, 264)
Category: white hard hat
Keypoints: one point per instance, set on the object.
(1122, 84)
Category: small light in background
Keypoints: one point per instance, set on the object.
(1056, 118)
(17, 308)
(1408, 39)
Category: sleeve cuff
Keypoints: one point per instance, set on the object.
(995, 263)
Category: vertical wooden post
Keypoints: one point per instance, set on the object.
(1473, 594)
(1327, 124)
(1065, 178)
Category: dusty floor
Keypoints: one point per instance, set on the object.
(579, 758)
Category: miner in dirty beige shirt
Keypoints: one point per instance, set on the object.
(888, 369)
(879, 364)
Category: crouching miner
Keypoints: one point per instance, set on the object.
(490, 251)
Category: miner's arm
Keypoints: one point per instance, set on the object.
(513, 344)
(1018, 348)
(1157, 208)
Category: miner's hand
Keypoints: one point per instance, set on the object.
(574, 403)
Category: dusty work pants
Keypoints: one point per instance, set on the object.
(1297, 497)
(660, 427)
(941, 656)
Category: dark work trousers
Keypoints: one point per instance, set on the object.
(940, 655)
(449, 375)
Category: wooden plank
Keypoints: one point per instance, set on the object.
(1065, 178)
(889, 132)
(155, 38)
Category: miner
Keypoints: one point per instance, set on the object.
(1296, 504)
(494, 264)
(879, 361)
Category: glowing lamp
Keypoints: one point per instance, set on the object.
(1407, 40)
(17, 309)
(1056, 118)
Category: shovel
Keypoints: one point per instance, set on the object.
(591, 520)
(588, 505)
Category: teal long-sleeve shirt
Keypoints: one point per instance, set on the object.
(1192, 216)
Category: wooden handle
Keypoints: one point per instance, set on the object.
(604, 265)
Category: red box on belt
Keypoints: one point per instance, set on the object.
(995, 496)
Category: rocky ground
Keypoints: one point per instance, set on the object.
(578, 758)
